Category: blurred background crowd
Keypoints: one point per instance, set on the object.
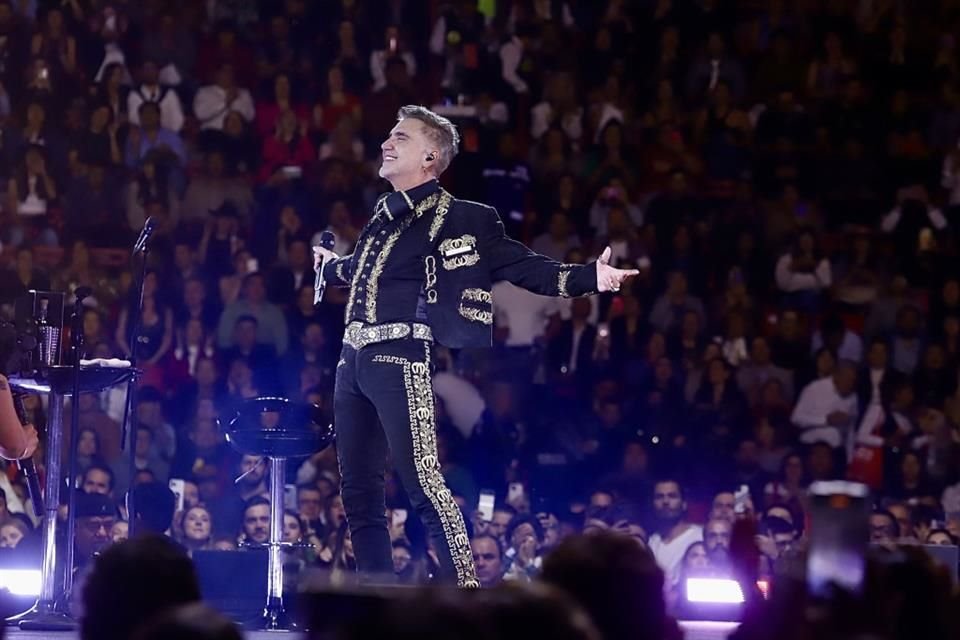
(785, 175)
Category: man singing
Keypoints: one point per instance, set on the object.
(421, 272)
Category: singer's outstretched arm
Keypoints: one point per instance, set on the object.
(338, 271)
(17, 441)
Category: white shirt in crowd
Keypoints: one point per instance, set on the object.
(462, 401)
(851, 346)
(950, 179)
(541, 118)
(892, 219)
(817, 401)
(211, 107)
(525, 314)
(873, 418)
(791, 281)
(171, 111)
(669, 555)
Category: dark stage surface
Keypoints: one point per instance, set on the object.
(692, 631)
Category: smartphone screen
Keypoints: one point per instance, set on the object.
(740, 499)
(486, 504)
(839, 536)
(290, 497)
(176, 485)
(515, 492)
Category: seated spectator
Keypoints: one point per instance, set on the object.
(96, 515)
(669, 308)
(717, 534)
(759, 368)
(152, 182)
(907, 340)
(151, 90)
(834, 335)
(214, 102)
(714, 66)
(338, 102)
(146, 457)
(197, 529)
(31, 196)
(488, 558)
(155, 504)
(673, 533)
(827, 408)
(98, 478)
(269, 111)
(151, 136)
(14, 532)
(287, 152)
(523, 559)
(271, 325)
(803, 273)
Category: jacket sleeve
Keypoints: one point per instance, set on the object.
(339, 272)
(515, 263)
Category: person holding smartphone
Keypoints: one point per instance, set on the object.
(17, 441)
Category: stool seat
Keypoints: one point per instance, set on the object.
(278, 428)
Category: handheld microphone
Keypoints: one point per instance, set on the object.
(145, 233)
(27, 466)
(327, 240)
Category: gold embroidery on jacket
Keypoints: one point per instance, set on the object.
(476, 315)
(339, 270)
(455, 246)
(357, 277)
(562, 278)
(477, 295)
(467, 260)
(425, 204)
(430, 281)
(373, 283)
(442, 207)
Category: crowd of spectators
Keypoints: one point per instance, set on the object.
(785, 176)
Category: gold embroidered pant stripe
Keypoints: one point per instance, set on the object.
(384, 402)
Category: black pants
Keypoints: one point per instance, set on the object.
(384, 401)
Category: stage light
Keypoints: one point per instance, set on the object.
(713, 591)
(20, 582)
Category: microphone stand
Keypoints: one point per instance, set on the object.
(128, 436)
(76, 340)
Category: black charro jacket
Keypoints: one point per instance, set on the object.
(467, 251)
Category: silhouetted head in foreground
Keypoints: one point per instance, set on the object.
(131, 582)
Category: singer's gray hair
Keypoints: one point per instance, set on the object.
(439, 130)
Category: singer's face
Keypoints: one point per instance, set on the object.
(404, 153)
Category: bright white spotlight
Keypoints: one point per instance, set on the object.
(714, 591)
(20, 582)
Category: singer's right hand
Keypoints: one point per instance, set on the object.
(322, 255)
(32, 440)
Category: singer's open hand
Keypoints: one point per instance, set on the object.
(321, 255)
(610, 278)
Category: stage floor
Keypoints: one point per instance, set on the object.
(692, 631)
(13, 632)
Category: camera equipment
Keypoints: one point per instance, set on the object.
(18, 349)
(32, 342)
